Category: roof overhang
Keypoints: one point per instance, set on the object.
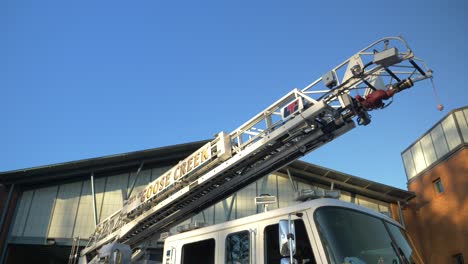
(169, 155)
(346, 182)
(100, 166)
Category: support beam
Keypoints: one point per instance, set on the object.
(294, 187)
(6, 228)
(93, 192)
(6, 206)
(135, 180)
(228, 210)
(400, 215)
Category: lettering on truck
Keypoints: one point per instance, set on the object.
(175, 174)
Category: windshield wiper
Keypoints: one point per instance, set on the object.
(399, 253)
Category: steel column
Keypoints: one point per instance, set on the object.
(2, 221)
(400, 215)
(7, 205)
(94, 200)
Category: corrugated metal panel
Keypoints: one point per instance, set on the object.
(22, 213)
(156, 172)
(268, 185)
(40, 212)
(116, 188)
(65, 209)
(285, 192)
(99, 187)
(143, 179)
(245, 203)
(84, 225)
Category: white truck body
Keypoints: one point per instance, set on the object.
(215, 243)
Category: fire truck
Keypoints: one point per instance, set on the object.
(317, 230)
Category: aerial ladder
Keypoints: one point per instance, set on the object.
(299, 122)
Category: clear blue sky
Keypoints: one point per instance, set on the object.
(84, 79)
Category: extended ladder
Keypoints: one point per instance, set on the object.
(73, 258)
(291, 127)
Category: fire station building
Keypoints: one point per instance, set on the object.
(44, 208)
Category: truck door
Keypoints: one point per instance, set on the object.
(240, 246)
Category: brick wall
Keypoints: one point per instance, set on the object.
(438, 222)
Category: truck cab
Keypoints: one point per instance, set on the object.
(317, 231)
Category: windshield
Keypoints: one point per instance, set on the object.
(357, 238)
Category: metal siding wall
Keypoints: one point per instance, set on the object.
(99, 187)
(219, 216)
(285, 191)
(40, 212)
(156, 172)
(113, 196)
(268, 185)
(22, 213)
(245, 204)
(84, 225)
(65, 209)
(143, 179)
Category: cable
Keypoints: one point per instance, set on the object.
(440, 106)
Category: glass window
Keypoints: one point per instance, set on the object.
(428, 149)
(350, 236)
(369, 203)
(462, 123)
(440, 144)
(418, 157)
(199, 252)
(451, 132)
(304, 252)
(458, 259)
(238, 248)
(409, 165)
(401, 243)
(438, 186)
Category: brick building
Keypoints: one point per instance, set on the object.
(437, 169)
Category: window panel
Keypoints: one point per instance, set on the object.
(199, 252)
(451, 132)
(345, 197)
(462, 123)
(409, 164)
(369, 203)
(418, 157)
(438, 139)
(428, 149)
(238, 248)
(438, 186)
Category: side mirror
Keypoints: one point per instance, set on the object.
(287, 238)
